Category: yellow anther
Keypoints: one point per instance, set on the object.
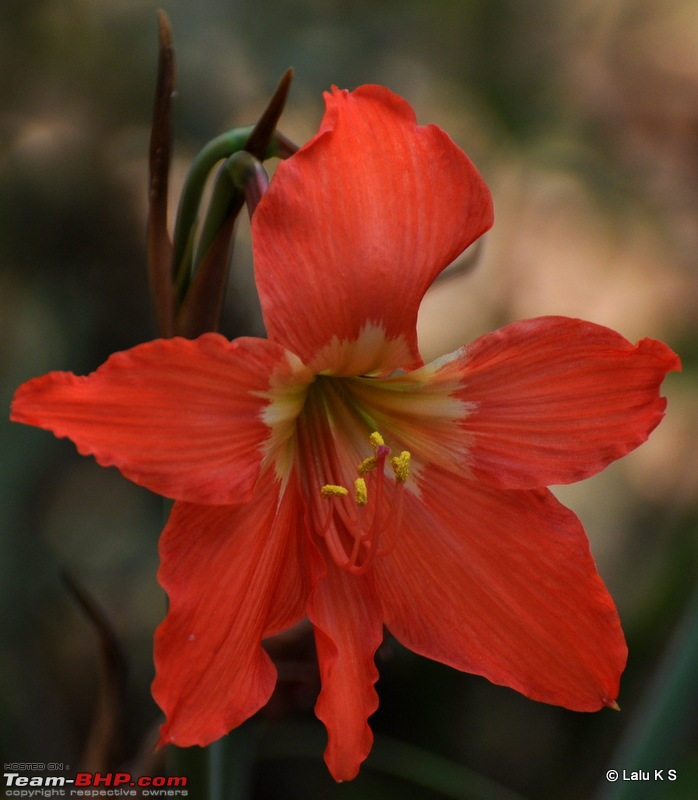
(367, 465)
(401, 466)
(360, 492)
(376, 439)
(332, 490)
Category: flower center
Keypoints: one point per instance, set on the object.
(353, 527)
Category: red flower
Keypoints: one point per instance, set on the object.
(277, 452)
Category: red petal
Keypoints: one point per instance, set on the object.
(502, 584)
(554, 400)
(358, 223)
(233, 576)
(540, 402)
(183, 418)
(348, 630)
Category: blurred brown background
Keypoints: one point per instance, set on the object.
(583, 119)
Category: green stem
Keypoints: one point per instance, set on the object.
(215, 766)
(434, 772)
(218, 149)
(391, 757)
(230, 764)
(230, 182)
(654, 738)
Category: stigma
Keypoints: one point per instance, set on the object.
(357, 524)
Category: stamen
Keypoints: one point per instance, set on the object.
(401, 466)
(336, 548)
(367, 465)
(360, 492)
(359, 539)
(349, 513)
(376, 440)
(366, 528)
(394, 521)
(332, 490)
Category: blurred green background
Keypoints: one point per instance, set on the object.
(583, 119)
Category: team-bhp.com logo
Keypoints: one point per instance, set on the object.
(101, 780)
